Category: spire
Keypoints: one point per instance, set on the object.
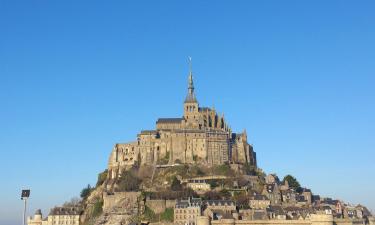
(191, 96)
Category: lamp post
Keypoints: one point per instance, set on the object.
(25, 194)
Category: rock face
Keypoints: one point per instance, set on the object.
(201, 135)
(119, 208)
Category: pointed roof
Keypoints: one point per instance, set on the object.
(190, 98)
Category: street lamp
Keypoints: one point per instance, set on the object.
(25, 194)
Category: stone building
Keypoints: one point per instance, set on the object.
(57, 216)
(37, 219)
(187, 211)
(259, 202)
(201, 135)
(65, 216)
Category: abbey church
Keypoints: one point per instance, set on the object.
(201, 135)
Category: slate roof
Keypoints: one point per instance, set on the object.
(258, 197)
(188, 202)
(278, 210)
(219, 202)
(149, 131)
(169, 120)
(217, 213)
(204, 109)
(66, 211)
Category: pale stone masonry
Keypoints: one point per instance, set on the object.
(201, 135)
(57, 216)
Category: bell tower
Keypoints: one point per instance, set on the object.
(191, 106)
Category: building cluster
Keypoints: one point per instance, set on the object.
(201, 135)
(57, 216)
(277, 201)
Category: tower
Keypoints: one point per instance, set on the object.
(191, 106)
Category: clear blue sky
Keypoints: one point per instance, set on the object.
(77, 77)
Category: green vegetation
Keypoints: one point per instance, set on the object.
(224, 170)
(149, 215)
(101, 178)
(98, 208)
(293, 183)
(196, 171)
(176, 184)
(164, 160)
(249, 169)
(128, 181)
(86, 191)
(225, 194)
(195, 158)
(213, 183)
(181, 170)
(167, 215)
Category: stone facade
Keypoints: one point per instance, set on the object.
(57, 216)
(187, 211)
(201, 135)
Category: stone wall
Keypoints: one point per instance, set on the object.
(315, 219)
(159, 205)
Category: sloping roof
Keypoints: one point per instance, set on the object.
(201, 109)
(221, 214)
(219, 202)
(149, 132)
(66, 211)
(278, 210)
(169, 120)
(258, 197)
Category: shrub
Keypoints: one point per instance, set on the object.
(224, 170)
(176, 184)
(293, 183)
(249, 169)
(213, 183)
(98, 208)
(167, 215)
(86, 192)
(211, 195)
(101, 178)
(128, 181)
(196, 171)
(149, 214)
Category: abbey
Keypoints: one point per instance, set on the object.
(201, 135)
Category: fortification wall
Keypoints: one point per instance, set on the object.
(316, 219)
(159, 205)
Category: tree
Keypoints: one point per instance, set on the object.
(128, 181)
(176, 184)
(86, 192)
(293, 183)
(73, 202)
(212, 195)
(213, 183)
(101, 178)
